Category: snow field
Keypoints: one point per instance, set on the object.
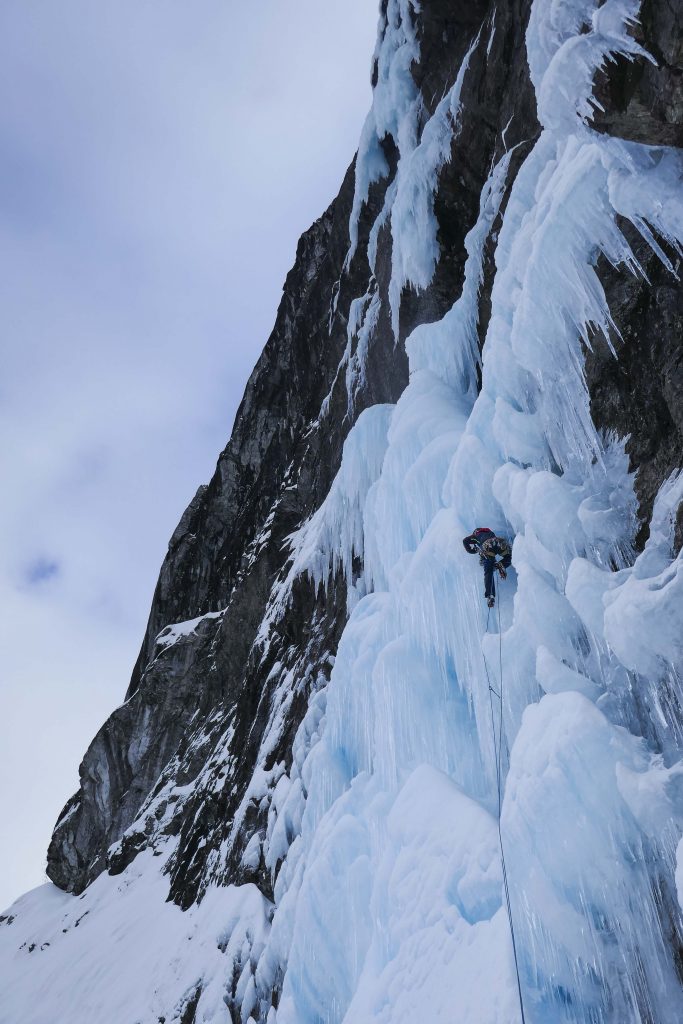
(121, 953)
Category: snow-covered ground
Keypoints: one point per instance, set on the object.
(119, 952)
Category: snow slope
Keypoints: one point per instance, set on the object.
(382, 838)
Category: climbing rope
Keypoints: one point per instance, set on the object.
(498, 746)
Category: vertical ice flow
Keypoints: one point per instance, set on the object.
(389, 899)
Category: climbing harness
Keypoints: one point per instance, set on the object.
(498, 745)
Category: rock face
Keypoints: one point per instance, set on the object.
(642, 99)
(237, 642)
(639, 393)
(224, 557)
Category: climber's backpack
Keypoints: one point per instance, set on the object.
(495, 547)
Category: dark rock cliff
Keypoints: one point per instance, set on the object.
(201, 706)
(640, 393)
(643, 99)
(228, 549)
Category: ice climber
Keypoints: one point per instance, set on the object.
(494, 554)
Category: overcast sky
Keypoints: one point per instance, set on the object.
(158, 161)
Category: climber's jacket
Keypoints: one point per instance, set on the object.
(494, 554)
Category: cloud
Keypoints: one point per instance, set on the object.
(41, 570)
(157, 165)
